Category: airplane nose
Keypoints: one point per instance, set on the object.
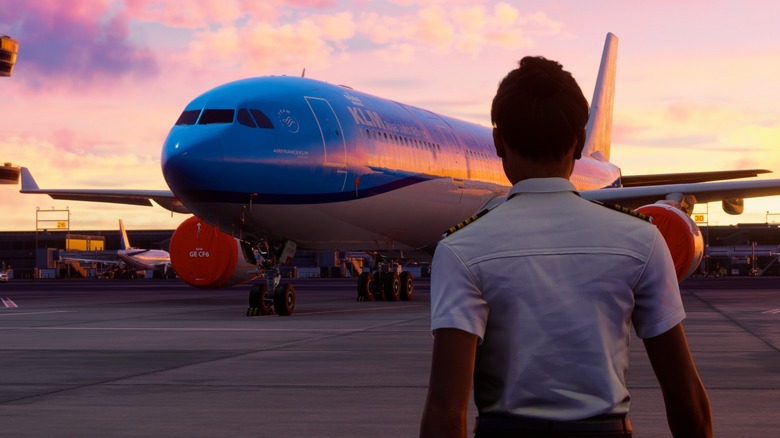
(192, 161)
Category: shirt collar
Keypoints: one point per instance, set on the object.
(542, 185)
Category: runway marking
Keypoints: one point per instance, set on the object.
(773, 311)
(33, 313)
(355, 310)
(7, 302)
(185, 329)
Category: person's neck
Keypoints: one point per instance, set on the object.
(518, 168)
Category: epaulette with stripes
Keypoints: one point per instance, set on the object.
(628, 211)
(616, 207)
(457, 227)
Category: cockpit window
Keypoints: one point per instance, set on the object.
(262, 120)
(188, 117)
(244, 118)
(216, 116)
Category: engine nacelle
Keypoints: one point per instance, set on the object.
(733, 206)
(681, 234)
(203, 256)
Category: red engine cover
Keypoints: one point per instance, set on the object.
(204, 256)
(682, 236)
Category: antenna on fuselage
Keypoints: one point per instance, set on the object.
(303, 73)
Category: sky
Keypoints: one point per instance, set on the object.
(99, 83)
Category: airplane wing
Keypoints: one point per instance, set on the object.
(691, 177)
(634, 197)
(88, 260)
(164, 198)
(107, 257)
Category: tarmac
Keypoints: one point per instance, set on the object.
(157, 358)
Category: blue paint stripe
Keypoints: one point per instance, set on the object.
(225, 197)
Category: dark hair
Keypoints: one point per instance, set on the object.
(540, 111)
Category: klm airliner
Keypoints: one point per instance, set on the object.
(271, 164)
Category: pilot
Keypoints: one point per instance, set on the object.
(533, 302)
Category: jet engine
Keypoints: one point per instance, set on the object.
(682, 236)
(205, 257)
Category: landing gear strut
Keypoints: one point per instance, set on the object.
(282, 302)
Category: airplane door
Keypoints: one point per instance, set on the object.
(335, 148)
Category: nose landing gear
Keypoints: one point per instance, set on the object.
(282, 301)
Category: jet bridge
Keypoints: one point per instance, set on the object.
(759, 258)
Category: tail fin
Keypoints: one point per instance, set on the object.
(599, 128)
(125, 243)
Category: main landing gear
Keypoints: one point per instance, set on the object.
(385, 283)
(282, 301)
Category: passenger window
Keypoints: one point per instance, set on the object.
(216, 116)
(188, 117)
(262, 120)
(244, 118)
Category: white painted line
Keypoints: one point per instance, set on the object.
(7, 302)
(773, 311)
(32, 313)
(356, 310)
(182, 329)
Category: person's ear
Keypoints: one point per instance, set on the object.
(498, 142)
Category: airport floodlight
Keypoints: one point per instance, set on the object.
(9, 47)
(9, 174)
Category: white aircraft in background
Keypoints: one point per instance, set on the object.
(127, 256)
(141, 259)
(273, 163)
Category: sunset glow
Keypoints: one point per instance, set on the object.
(98, 83)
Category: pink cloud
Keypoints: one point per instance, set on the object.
(74, 43)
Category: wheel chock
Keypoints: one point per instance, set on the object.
(254, 311)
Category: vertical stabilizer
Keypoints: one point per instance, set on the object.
(599, 128)
(125, 243)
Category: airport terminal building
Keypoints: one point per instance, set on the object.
(736, 250)
(41, 254)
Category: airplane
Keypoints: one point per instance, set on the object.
(141, 259)
(132, 258)
(272, 164)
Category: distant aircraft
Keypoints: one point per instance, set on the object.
(271, 164)
(132, 258)
(141, 259)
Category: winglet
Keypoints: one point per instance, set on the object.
(599, 128)
(28, 182)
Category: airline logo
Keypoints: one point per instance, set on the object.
(287, 120)
(366, 118)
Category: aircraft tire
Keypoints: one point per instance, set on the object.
(379, 286)
(257, 298)
(407, 286)
(284, 300)
(392, 287)
(365, 287)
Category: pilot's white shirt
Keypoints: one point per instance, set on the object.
(551, 284)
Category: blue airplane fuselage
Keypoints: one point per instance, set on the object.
(243, 151)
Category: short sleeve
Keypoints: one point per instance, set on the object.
(456, 301)
(658, 306)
